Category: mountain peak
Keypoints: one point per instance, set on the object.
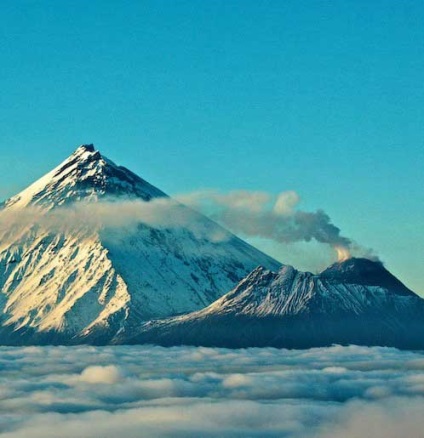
(85, 152)
(84, 175)
(356, 264)
(365, 272)
(85, 148)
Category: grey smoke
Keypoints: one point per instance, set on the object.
(260, 214)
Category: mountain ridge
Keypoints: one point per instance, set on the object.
(293, 309)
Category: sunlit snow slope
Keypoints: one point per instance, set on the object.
(74, 281)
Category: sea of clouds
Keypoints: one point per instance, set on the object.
(147, 391)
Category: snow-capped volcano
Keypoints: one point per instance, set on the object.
(87, 281)
(85, 175)
(353, 302)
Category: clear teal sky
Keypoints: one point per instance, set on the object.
(322, 97)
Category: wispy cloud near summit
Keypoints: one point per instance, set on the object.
(246, 213)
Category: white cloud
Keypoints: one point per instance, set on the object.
(393, 418)
(101, 374)
(186, 391)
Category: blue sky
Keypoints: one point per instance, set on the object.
(325, 98)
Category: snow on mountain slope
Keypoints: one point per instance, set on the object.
(291, 292)
(85, 175)
(81, 280)
(355, 301)
(63, 282)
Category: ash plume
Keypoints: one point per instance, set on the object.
(260, 214)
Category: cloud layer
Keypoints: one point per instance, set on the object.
(144, 391)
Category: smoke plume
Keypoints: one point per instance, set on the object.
(248, 213)
(260, 214)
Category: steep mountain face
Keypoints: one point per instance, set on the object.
(354, 302)
(85, 175)
(62, 279)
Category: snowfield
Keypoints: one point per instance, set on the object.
(145, 391)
